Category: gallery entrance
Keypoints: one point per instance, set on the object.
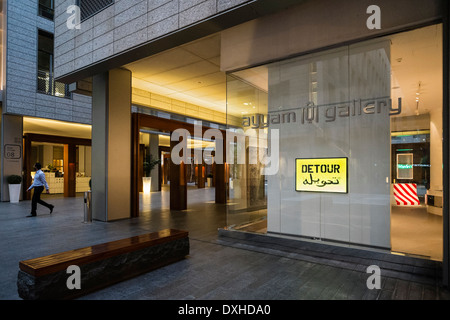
(378, 104)
(152, 149)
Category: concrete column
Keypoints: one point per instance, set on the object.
(47, 155)
(436, 175)
(70, 158)
(201, 175)
(178, 186)
(446, 151)
(221, 178)
(111, 145)
(11, 151)
(81, 158)
(154, 151)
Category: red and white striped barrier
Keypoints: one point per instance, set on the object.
(406, 194)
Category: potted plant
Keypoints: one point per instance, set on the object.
(149, 164)
(14, 182)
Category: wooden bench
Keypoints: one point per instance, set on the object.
(100, 265)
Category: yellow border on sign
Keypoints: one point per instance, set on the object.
(324, 175)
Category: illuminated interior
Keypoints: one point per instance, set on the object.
(416, 137)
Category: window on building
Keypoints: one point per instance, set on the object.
(91, 7)
(46, 9)
(46, 83)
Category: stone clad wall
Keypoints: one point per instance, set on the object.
(124, 25)
(21, 96)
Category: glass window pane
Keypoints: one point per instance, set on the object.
(416, 143)
(248, 187)
(46, 9)
(44, 61)
(377, 104)
(45, 42)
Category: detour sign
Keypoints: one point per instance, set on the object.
(321, 175)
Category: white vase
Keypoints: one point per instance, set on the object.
(147, 184)
(14, 192)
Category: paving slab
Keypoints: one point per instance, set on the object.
(243, 267)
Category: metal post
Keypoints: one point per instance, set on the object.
(87, 207)
(446, 144)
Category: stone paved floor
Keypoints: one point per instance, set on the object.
(218, 267)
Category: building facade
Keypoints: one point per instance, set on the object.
(32, 101)
(336, 112)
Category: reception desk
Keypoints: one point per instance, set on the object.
(434, 201)
(82, 184)
(56, 184)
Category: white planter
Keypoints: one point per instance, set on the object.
(147, 184)
(14, 192)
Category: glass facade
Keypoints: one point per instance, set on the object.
(51, 157)
(47, 9)
(45, 78)
(91, 7)
(343, 145)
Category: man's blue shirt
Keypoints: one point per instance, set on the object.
(39, 180)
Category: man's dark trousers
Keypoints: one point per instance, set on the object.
(37, 199)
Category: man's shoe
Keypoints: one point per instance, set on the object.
(51, 208)
(31, 215)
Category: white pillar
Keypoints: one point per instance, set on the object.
(436, 174)
(154, 151)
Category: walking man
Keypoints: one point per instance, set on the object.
(38, 184)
